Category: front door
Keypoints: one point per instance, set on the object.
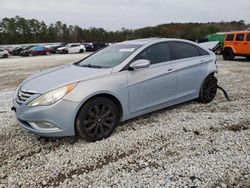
(246, 44)
(155, 85)
(239, 43)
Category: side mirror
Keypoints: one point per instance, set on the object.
(140, 64)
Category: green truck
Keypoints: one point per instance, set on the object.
(220, 36)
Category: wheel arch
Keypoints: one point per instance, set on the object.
(230, 48)
(211, 73)
(106, 95)
(208, 75)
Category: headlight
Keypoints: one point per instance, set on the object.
(52, 96)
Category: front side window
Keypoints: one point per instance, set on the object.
(75, 45)
(183, 50)
(230, 37)
(157, 53)
(248, 37)
(109, 57)
(239, 37)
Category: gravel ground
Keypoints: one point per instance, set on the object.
(188, 145)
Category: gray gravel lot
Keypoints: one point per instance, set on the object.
(188, 145)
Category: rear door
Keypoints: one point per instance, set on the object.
(190, 68)
(155, 85)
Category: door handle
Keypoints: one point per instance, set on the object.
(170, 70)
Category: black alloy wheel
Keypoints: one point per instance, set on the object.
(97, 119)
(208, 90)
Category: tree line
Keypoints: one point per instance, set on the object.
(19, 30)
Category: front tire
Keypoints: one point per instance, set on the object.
(208, 89)
(97, 119)
(81, 51)
(228, 54)
(5, 56)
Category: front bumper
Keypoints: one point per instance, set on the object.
(61, 115)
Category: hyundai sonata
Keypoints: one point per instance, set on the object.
(120, 82)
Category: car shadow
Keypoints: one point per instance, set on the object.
(145, 116)
(75, 139)
(242, 59)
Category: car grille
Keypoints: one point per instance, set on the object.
(23, 96)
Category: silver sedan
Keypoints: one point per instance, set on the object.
(120, 82)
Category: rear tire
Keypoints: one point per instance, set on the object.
(208, 89)
(228, 54)
(97, 119)
(81, 51)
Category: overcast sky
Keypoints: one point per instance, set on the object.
(115, 14)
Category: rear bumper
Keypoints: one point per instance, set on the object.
(61, 115)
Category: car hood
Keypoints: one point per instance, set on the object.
(50, 79)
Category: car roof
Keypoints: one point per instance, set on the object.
(153, 40)
(237, 32)
(141, 41)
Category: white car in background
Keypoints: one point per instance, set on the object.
(4, 53)
(72, 48)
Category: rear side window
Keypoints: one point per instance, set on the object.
(248, 37)
(240, 37)
(157, 53)
(230, 37)
(183, 50)
(202, 52)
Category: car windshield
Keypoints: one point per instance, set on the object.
(110, 56)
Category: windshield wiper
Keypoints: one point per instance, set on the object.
(92, 66)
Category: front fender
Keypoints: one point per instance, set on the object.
(114, 84)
